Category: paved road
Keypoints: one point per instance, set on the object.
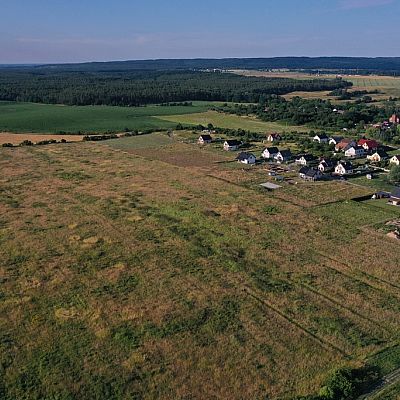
(386, 382)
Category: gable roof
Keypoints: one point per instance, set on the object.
(397, 156)
(286, 153)
(272, 150)
(307, 157)
(395, 192)
(233, 142)
(206, 137)
(322, 136)
(312, 172)
(244, 156)
(303, 170)
(337, 139)
(347, 165)
(327, 163)
(372, 144)
(274, 134)
(382, 153)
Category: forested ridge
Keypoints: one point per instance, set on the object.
(359, 64)
(134, 88)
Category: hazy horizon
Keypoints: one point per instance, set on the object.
(76, 31)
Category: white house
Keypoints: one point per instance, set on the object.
(321, 138)
(343, 168)
(232, 144)
(345, 144)
(270, 152)
(283, 156)
(273, 137)
(326, 165)
(395, 160)
(378, 156)
(335, 140)
(203, 139)
(246, 158)
(354, 151)
(305, 159)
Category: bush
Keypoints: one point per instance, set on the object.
(7, 145)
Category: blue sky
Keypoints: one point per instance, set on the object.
(43, 31)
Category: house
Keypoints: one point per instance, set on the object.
(395, 160)
(232, 144)
(322, 138)
(305, 159)
(246, 158)
(344, 144)
(378, 156)
(394, 119)
(274, 137)
(310, 174)
(335, 140)
(368, 144)
(344, 168)
(326, 165)
(395, 196)
(283, 156)
(355, 151)
(270, 152)
(203, 139)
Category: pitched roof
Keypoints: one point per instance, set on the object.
(397, 156)
(337, 139)
(307, 157)
(382, 153)
(395, 192)
(322, 136)
(303, 170)
(312, 172)
(328, 163)
(244, 156)
(233, 142)
(372, 144)
(274, 134)
(347, 165)
(272, 150)
(206, 137)
(286, 153)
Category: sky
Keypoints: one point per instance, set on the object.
(58, 31)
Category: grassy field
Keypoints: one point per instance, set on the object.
(135, 268)
(42, 118)
(232, 122)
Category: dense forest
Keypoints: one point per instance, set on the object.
(360, 64)
(134, 88)
(316, 113)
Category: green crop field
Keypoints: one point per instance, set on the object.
(231, 121)
(42, 118)
(161, 272)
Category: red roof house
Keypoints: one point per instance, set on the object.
(368, 144)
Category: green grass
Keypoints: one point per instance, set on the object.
(231, 122)
(44, 118)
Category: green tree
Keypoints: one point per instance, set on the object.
(394, 174)
(339, 386)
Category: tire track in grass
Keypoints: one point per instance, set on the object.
(370, 276)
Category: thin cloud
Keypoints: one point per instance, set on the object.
(354, 4)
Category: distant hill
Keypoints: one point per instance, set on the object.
(357, 64)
